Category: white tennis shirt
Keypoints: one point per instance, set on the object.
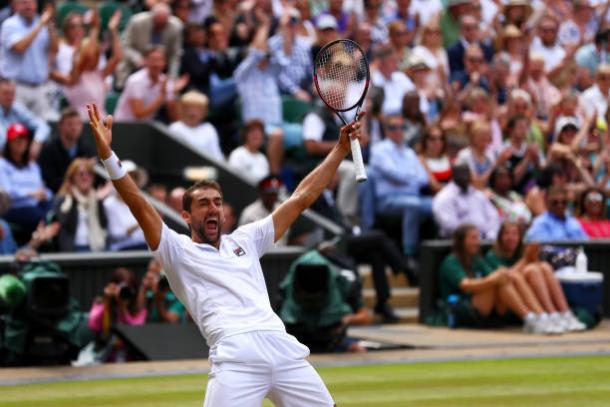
(224, 290)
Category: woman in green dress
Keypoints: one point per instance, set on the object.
(508, 251)
(483, 289)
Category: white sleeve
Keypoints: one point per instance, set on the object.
(168, 252)
(313, 127)
(261, 234)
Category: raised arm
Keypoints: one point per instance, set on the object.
(147, 217)
(314, 183)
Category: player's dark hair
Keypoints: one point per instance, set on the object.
(187, 198)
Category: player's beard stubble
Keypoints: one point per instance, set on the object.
(208, 238)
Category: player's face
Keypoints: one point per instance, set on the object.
(206, 216)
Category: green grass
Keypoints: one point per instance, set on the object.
(574, 381)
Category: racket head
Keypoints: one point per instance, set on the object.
(341, 75)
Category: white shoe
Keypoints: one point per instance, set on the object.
(571, 323)
(529, 323)
(546, 326)
(559, 321)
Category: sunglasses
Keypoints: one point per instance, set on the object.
(435, 138)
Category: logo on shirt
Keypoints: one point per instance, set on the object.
(239, 251)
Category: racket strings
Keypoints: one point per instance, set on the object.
(341, 72)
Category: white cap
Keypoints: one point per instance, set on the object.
(326, 21)
(565, 121)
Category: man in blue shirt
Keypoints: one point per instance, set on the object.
(556, 223)
(399, 176)
(14, 112)
(26, 42)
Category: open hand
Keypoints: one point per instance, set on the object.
(115, 20)
(102, 131)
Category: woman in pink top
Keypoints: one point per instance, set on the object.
(122, 302)
(86, 82)
(592, 214)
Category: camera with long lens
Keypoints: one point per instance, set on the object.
(126, 292)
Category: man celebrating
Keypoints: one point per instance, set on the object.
(220, 281)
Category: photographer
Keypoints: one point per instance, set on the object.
(119, 304)
(158, 299)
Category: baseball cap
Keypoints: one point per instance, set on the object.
(270, 184)
(16, 130)
(565, 121)
(326, 22)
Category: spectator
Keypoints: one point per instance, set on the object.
(159, 301)
(123, 230)
(431, 51)
(546, 43)
(22, 181)
(156, 27)
(196, 60)
(247, 158)
(293, 56)
(525, 160)
(27, 41)
(399, 177)
(426, 10)
(327, 32)
(175, 199)
(450, 20)
(477, 156)
(517, 13)
(474, 72)
(58, 152)
(259, 93)
(268, 192)
(305, 30)
(399, 39)
(508, 251)
(344, 21)
(86, 80)
(546, 95)
(7, 242)
(320, 133)
(80, 211)
(580, 27)
(372, 15)
(12, 111)
(592, 216)
(228, 226)
(469, 35)
(433, 156)
(556, 223)
(483, 290)
(406, 18)
(480, 107)
(192, 127)
(415, 117)
(591, 55)
(594, 100)
(118, 304)
(513, 46)
(363, 36)
(460, 203)
(394, 82)
(510, 204)
(148, 90)
(73, 32)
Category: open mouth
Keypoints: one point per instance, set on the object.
(211, 225)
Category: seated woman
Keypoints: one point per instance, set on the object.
(477, 155)
(434, 158)
(22, 180)
(120, 303)
(507, 252)
(79, 211)
(592, 216)
(484, 290)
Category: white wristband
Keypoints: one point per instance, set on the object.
(114, 167)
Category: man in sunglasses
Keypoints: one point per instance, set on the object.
(556, 223)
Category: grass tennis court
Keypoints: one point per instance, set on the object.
(536, 382)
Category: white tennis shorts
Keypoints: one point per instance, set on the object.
(246, 368)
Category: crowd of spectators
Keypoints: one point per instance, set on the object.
(479, 112)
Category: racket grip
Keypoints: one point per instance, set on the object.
(358, 163)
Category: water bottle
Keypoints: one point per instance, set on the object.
(581, 261)
(452, 302)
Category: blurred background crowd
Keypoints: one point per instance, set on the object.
(480, 112)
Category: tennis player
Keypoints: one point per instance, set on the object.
(220, 281)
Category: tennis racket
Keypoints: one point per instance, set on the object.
(341, 75)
